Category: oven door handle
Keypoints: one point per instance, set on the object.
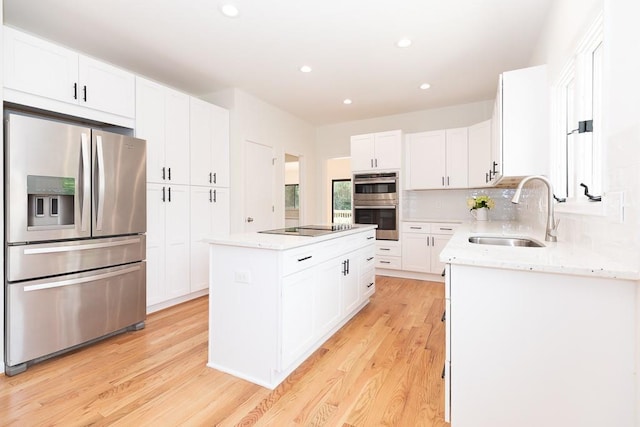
(377, 207)
(375, 181)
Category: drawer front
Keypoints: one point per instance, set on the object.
(368, 282)
(392, 263)
(416, 227)
(368, 259)
(384, 250)
(444, 228)
(298, 259)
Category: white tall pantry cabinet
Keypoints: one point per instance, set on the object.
(209, 184)
(185, 137)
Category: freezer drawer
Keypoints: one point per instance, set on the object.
(49, 259)
(49, 315)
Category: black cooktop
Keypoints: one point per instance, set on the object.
(309, 230)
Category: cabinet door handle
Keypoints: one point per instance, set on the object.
(433, 239)
(448, 181)
(348, 266)
(210, 196)
(75, 91)
(169, 174)
(370, 237)
(210, 178)
(495, 165)
(163, 175)
(169, 193)
(376, 162)
(486, 177)
(305, 258)
(215, 197)
(369, 259)
(344, 268)
(443, 181)
(84, 90)
(372, 163)
(214, 178)
(370, 285)
(163, 198)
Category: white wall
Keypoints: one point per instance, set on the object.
(255, 120)
(566, 24)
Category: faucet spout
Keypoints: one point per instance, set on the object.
(551, 233)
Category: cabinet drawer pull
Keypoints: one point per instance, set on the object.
(385, 262)
(446, 229)
(305, 258)
(369, 259)
(416, 228)
(385, 249)
(370, 285)
(370, 237)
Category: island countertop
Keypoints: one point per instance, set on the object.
(559, 257)
(281, 242)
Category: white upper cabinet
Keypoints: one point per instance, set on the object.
(376, 151)
(105, 87)
(162, 118)
(209, 144)
(479, 154)
(42, 74)
(436, 159)
(522, 115)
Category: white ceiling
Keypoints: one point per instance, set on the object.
(459, 47)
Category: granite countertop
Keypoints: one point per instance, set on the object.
(281, 242)
(558, 257)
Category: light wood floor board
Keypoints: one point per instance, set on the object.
(381, 369)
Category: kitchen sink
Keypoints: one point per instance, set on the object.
(506, 241)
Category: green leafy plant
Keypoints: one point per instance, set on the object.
(479, 202)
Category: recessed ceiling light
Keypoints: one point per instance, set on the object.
(229, 10)
(424, 86)
(347, 101)
(305, 69)
(404, 43)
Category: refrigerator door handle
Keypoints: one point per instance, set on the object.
(101, 182)
(85, 191)
(80, 280)
(84, 247)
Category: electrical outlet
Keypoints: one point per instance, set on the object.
(242, 276)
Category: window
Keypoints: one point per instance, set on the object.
(292, 196)
(577, 126)
(341, 201)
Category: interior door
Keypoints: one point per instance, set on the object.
(258, 187)
(119, 184)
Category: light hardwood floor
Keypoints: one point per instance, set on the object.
(382, 368)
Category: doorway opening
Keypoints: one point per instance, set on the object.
(291, 190)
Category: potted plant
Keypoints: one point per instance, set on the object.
(479, 206)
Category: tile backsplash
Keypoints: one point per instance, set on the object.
(452, 204)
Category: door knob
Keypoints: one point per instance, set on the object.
(249, 219)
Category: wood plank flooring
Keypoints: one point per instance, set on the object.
(381, 369)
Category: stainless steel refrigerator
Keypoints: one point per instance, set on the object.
(75, 218)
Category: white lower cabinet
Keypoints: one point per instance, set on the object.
(388, 254)
(422, 243)
(209, 217)
(270, 309)
(167, 242)
(519, 340)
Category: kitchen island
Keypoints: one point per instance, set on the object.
(539, 335)
(274, 299)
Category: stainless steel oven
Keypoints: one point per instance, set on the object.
(376, 201)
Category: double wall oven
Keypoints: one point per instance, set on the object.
(375, 201)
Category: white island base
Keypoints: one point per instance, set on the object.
(274, 300)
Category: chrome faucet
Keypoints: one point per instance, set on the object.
(551, 234)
